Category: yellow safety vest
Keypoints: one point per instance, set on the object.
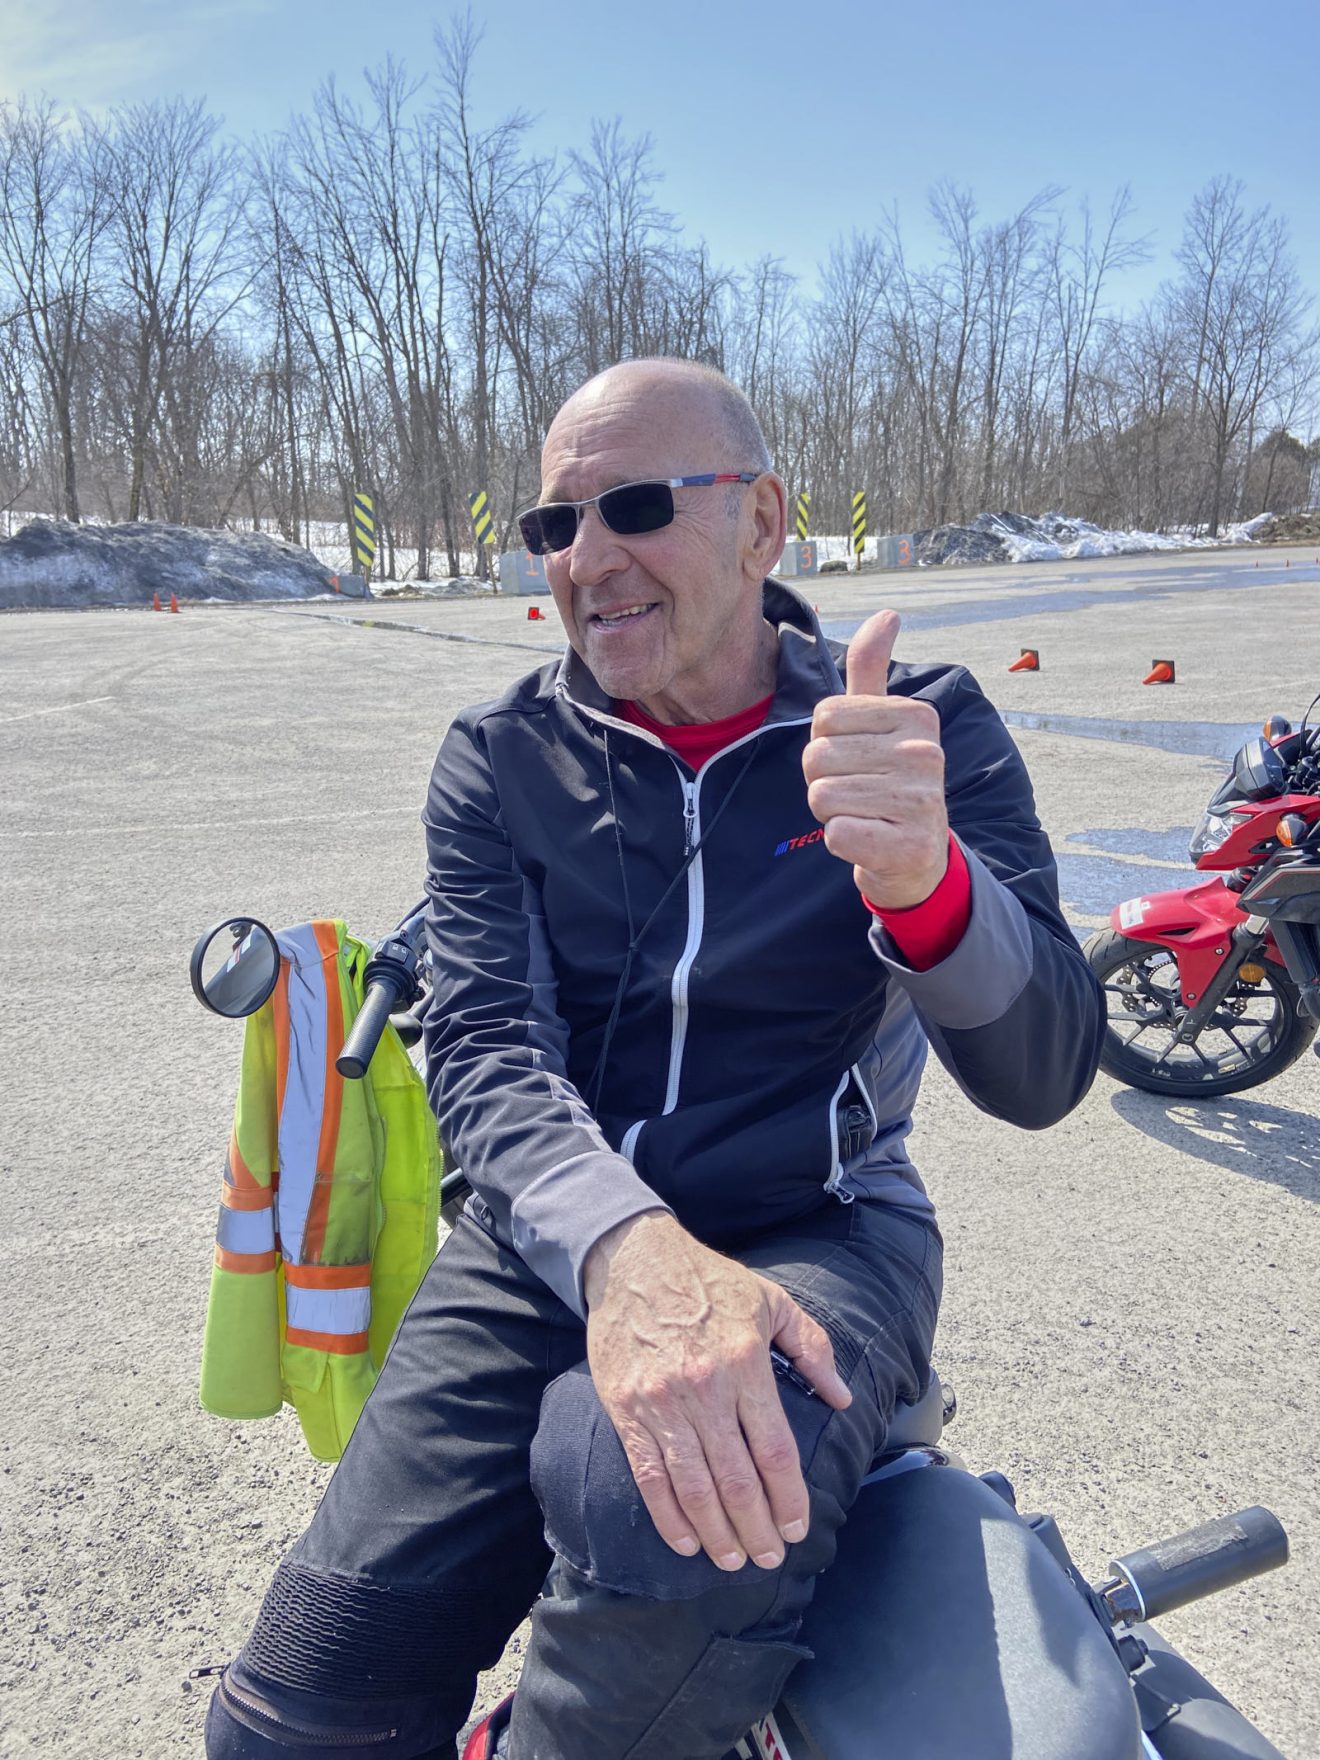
(328, 1208)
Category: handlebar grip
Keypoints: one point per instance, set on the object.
(364, 1034)
(1204, 1560)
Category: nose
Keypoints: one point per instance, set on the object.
(596, 552)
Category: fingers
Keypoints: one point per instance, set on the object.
(807, 1346)
(774, 1449)
(706, 1490)
(869, 654)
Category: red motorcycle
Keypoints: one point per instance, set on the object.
(1215, 987)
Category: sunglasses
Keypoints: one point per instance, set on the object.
(629, 510)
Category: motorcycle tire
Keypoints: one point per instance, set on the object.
(1217, 1069)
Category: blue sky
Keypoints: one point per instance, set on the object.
(780, 126)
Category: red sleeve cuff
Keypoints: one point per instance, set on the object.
(927, 933)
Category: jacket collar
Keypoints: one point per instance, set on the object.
(807, 670)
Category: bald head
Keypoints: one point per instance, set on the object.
(686, 393)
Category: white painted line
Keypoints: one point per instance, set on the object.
(213, 824)
(59, 709)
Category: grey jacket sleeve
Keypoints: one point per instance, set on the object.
(496, 1049)
(1015, 1013)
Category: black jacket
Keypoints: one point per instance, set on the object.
(767, 1044)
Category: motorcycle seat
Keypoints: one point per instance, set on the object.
(945, 1629)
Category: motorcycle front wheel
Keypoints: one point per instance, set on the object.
(1254, 1034)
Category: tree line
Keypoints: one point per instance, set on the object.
(394, 295)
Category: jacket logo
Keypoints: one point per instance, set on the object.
(800, 842)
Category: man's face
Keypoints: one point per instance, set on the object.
(652, 615)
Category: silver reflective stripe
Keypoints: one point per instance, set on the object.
(246, 1231)
(344, 1311)
(304, 1092)
(836, 1166)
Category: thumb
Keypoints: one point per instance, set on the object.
(869, 654)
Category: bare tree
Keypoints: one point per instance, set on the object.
(51, 215)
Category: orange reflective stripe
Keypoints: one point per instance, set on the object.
(234, 1198)
(328, 1276)
(337, 1343)
(318, 1211)
(240, 1174)
(246, 1262)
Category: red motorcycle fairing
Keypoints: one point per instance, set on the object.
(1256, 822)
(1195, 923)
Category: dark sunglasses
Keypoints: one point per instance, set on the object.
(630, 509)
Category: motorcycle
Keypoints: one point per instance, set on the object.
(1215, 987)
(951, 1626)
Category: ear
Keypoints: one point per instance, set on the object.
(764, 526)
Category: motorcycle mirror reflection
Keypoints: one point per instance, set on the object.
(234, 967)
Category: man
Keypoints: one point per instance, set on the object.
(696, 907)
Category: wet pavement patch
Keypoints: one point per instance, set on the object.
(1093, 885)
(1149, 584)
(1159, 846)
(1201, 739)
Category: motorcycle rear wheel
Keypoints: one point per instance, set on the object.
(1255, 1034)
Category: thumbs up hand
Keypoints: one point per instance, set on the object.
(875, 777)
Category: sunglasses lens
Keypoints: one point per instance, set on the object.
(548, 528)
(637, 507)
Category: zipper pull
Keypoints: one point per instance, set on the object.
(689, 816)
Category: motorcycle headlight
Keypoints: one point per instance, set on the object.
(1209, 834)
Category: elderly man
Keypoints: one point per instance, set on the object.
(697, 906)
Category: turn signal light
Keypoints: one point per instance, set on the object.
(1291, 829)
(1276, 726)
(1250, 974)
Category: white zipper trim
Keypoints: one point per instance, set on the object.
(678, 988)
(628, 1147)
(832, 1184)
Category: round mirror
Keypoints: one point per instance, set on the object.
(234, 967)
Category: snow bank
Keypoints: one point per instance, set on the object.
(1016, 537)
(52, 562)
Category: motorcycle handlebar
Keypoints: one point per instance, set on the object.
(381, 1000)
(1156, 1579)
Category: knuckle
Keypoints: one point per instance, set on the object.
(738, 1487)
(649, 1475)
(777, 1454)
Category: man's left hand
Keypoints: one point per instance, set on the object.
(875, 777)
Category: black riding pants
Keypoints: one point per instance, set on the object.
(483, 1457)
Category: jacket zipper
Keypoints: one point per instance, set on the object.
(678, 988)
(305, 1735)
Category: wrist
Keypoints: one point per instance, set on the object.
(602, 1254)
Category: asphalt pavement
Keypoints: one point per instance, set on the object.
(1132, 1306)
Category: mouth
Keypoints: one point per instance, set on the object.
(626, 614)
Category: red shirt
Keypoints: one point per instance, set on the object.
(926, 933)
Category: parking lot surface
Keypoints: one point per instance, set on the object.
(1132, 1306)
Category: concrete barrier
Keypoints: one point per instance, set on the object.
(801, 557)
(521, 572)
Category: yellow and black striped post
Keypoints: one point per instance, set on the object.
(858, 524)
(803, 504)
(364, 532)
(482, 522)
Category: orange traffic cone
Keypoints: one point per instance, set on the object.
(534, 614)
(1161, 672)
(155, 602)
(334, 582)
(174, 603)
(1030, 661)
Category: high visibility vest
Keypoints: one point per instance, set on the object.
(329, 1203)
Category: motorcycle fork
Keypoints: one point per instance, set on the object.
(1245, 940)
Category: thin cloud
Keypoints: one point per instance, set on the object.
(84, 53)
